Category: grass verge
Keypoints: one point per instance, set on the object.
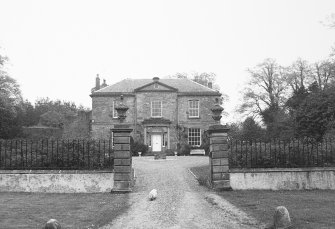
(33, 210)
(308, 209)
(202, 174)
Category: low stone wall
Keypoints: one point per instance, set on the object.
(55, 181)
(282, 179)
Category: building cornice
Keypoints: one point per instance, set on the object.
(111, 94)
(129, 94)
(199, 94)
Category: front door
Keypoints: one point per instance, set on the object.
(156, 140)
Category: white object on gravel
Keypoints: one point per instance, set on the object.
(52, 224)
(153, 194)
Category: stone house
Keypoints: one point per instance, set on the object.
(162, 112)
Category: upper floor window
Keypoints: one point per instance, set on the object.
(156, 108)
(193, 108)
(194, 136)
(114, 111)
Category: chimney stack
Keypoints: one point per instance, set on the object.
(210, 85)
(155, 79)
(97, 82)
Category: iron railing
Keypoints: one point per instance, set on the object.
(56, 154)
(293, 153)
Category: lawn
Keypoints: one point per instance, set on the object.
(33, 210)
(308, 209)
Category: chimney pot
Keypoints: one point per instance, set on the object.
(104, 84)
(210, 84)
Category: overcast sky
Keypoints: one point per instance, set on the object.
(56, 48)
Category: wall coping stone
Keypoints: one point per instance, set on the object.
(265, 170)
(54, 171)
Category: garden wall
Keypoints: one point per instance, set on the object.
(56, 181)
(283, 179)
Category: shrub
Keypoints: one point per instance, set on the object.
(136, 147)
(204, 181)
(184, 149)
(169, 152)
(205, 143)
(202, 174)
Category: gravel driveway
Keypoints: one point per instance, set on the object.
(181, 202)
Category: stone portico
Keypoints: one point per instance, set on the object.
(157, 133)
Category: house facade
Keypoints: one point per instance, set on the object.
(162, 112)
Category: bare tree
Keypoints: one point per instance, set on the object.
(324, 73)
(181, 75)
(10, 103)
(330, 21)
(204, 79)
(10, 92)
(265, 89)
(299, 75)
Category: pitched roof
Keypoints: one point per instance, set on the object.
(182, 85)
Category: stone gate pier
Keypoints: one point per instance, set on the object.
(218, 159)
(123, 171)
(123, 174)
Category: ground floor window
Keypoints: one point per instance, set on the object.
(194, 136)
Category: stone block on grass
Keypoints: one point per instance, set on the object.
(281, 218)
